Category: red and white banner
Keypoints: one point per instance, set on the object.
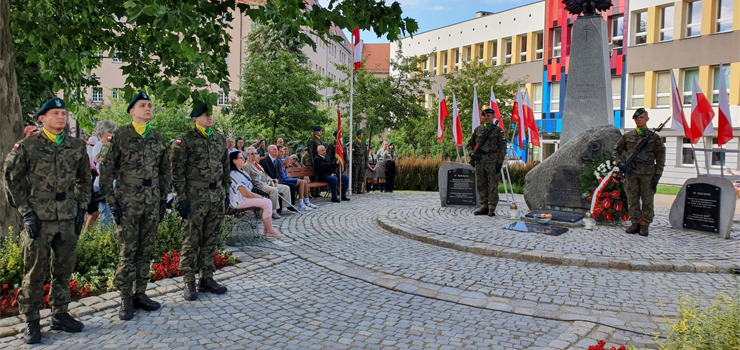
(476, 111)
(679, 118)
(443, 113)
(339, 149)
(534, 134)
(600, 188)
(456, 127)
(494, 106)
(517, 116)
(357, 47)
(701, 114)
(724, 133)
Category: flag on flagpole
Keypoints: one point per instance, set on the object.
(339, 149)
(516, 111)
(679, 118)
(357, 47)
(517, 116)
(442, 114)
(476, 110)
(724, 133)
(701, 114)
(456, 127)
(534, 134)
(494, 106)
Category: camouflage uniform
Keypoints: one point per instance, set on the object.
(306, 160)
(313, 144)
(486, 174)
(35, 170)
(637, 183)
(144, 175)
(201, 175)
(359, 164)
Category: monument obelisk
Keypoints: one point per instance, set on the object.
(588, 91)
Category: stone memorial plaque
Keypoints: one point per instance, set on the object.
(536, 228)
(461, 187)
(565, 188)
(562, 216)
(702, 207)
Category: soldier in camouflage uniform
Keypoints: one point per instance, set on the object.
(642, 179)
(359, 162)
(201, 177)
(35, 170)
(331, 149)
(139, 156)
(313, 144)
(492, 151)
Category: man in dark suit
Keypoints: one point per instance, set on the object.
(273, 166)
(326, 171)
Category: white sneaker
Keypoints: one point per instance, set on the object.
(304, 208)
(313, 206)
(275, 216)
(287, 212)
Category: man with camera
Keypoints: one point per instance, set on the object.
(487, 147)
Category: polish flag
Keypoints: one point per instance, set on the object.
(456, 127)
(534, 134)
(442, 114)
(494, 106)
(515, 111)
(358, 47)
(476, 110)
(679, 118)
(724, 133)
(517, 115)
(339, 149)
(701, 114)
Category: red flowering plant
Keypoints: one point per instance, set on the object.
(169, 267)
(611, 203)
(601, 345)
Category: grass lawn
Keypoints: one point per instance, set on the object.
(668, 189)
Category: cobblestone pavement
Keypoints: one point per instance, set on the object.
(678, 248)
(339, 280)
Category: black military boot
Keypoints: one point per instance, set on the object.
(190, 293)
(481, 211)
(211, 286)
(633, 229)
(491, 212)
(32, 335)
(142, 301)
(644, 231)
(65, 322)
(126, 312)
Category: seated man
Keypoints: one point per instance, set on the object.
(273, 167)
(326, 171)
(265, 183)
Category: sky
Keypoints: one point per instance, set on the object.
(432, 14)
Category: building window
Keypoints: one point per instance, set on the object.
(556, 42)
(507, 51)
(693, 19)
(114, 57)
(617, 30)
(688, 81)
(494, 52)
(116, 94)
(457, 59)
(425, 65)
(523, 48)
(641, 25)
(223, 98)
(663, 89)
(539, 45)
(444, 62)
(617, 93)
(97, 94)
(715, 83)
(718, 158)
(555, 97)
(468, 52)
(480, 53)
(666, 23)
(638, 91)
(537, 94)
(724, 15)
(434, 64)
(687, 154)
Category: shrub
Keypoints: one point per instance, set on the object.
(169, 236)
(518, 171)
(11, 261)
(714, 327)
(418, 173)
(97, 249)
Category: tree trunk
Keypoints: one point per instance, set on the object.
(10, 117)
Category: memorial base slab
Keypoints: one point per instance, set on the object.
(457, 186)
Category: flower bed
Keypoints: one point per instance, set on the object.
(97, 257)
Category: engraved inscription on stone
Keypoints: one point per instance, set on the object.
(461, 187)
(701, 211)
(565, 189)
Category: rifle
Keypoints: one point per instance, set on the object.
(636, 157)
(477, 157)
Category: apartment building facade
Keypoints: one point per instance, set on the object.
(647, 38)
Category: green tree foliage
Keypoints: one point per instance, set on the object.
(168, 121)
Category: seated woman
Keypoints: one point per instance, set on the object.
(241, 193)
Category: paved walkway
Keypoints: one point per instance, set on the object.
(339, 280)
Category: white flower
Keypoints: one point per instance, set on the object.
(596, 173)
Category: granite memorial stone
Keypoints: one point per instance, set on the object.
(457, 185)
(706, 204)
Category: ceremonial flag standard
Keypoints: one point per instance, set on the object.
(679, 118)
(339, 149)
(494, 106)
(724, 133)
(701, 114)
(357, 47)
(442, 114)
(456, 127)
(534, 134)
(476, 110)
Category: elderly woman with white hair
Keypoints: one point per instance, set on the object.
(266, 183)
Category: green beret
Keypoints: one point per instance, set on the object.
(639, 112)
(54, 103)
(200, 110)
(390, 143)
(358, 132)
(299, 149)
(335, 133)
(317, 128)
(371, 147)
(140, 96)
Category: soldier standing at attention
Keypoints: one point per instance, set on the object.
(36, 168)
(488, 145)
(202, 178)
(641, 179)
(359, 162)
(313, 144)
(139, 155)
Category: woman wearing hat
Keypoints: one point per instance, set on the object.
(372, 167)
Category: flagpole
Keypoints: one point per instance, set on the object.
(351, 108)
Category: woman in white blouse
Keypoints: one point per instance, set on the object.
(242, 197)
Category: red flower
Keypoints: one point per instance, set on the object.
(608, 215)
(618, 206)
(625, 217)
(615, 194)
(606, 203)
(589, 198)
(597, 212)
(615, 181)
